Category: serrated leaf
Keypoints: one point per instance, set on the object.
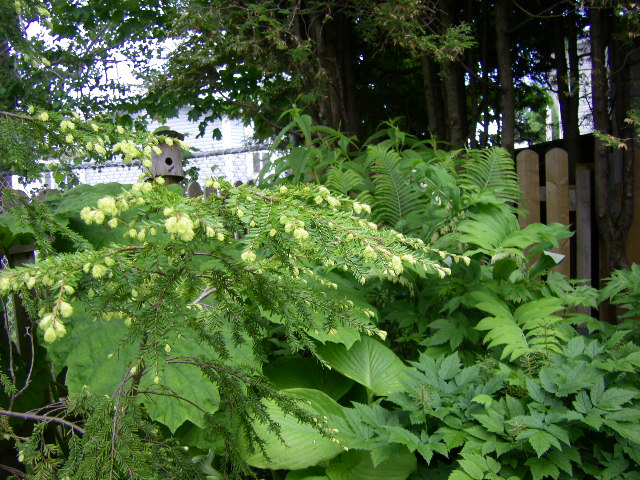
(458, 475)
(629, 430)
(575, 347)
(482, 399)
(597, 391)
(492, 422)
(560, 460)
(582, 403)
(614, 398)
(473, 465)
(535, 391)
(542, 441)
(402, 436)
(449, 367)
(541, 468)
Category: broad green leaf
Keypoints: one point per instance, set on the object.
(582, 403)
(90, 352)
(188, 383)
(358, 466)
(306, 372)
(561, 460)
(303, 446)
(311, 473)
(403, 436)
(536, 392)
(343, 334)
(629, 430)
(458, 475)
(368, 362)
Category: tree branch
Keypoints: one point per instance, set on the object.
(43, 418)
(13, 471)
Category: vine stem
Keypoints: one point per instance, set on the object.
(43, 418)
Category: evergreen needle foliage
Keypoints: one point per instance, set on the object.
(185, 282)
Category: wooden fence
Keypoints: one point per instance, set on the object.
(548, 197)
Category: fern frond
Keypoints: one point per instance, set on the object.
(343, 180)
(491, 170)
(532, 328)
(395, 198)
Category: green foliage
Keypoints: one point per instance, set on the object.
(211, 323)
(623, 289)
(161, 305)
(28, 138)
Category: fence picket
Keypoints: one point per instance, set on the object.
(557, 196)
(528, 168)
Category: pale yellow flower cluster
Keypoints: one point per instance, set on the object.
(295, 226)
(212, 183)
(51, 323)
(181, 226)
(212, 232)
(360, 207)
(67, 125)
(89, 216)
(248, 256)
(131, 150)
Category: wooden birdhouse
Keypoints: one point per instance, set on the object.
(168, 163)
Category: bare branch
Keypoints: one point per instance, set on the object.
(43, 418)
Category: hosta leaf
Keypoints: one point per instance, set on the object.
(368, 362)
(188, 383)
(303, 445)
(358, 466)
(306, 372)
(312, 473)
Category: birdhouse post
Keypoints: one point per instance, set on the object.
(168, 163)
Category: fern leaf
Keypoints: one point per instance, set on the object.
(529, 329)
(343, 180)
(491, 170)
(395, 198)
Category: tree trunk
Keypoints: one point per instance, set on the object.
(433, 97)
(613, 214)
(337, 106)
(454, 88)
(505, 75)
